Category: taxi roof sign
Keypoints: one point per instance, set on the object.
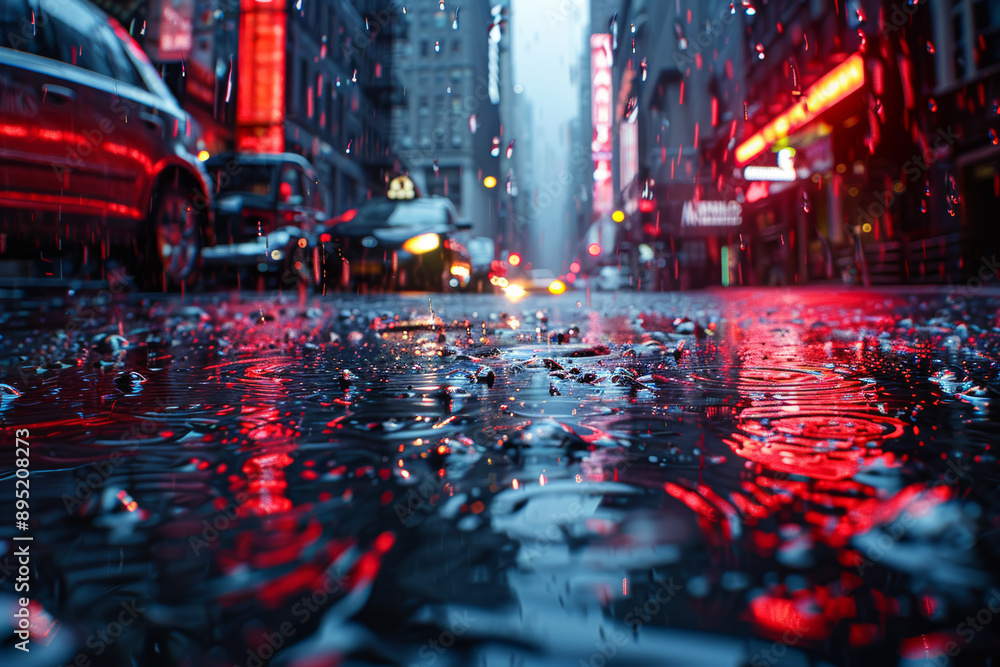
(402, 187)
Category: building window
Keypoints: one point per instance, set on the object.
(986, 18)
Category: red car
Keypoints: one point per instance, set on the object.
(94, 147)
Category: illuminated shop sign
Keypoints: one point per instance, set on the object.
(600, 65)
(840, 82)
(169, 29)
(260, 103)
(712, 214)
(785, 171)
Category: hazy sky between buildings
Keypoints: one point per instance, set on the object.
(547, 43)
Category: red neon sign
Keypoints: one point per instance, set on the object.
(834, 86)
(260, 105)
(600, 64)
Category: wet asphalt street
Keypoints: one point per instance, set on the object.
(738, 477)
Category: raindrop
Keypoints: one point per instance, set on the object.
(930, 47)
(923, 205)
(931, 104)
(927, 188)
(510, 148)
(732, 7)
(441, 5)
(349, 146)
(746, 111)
(454, 24)
(643, 67)
(878, 105)
(229, 82)
(760, 51)
(796, 88)
(183, 70)
(142, 31)
(354, 77)
(996, 106)
(805, 202)
(437, 47)
(993, 137)
(862, 40)
(437, 170)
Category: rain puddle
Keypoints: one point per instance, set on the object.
(747, 478)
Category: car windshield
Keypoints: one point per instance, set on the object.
(388, 213)
(257, 179)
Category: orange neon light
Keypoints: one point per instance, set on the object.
(834, 86)
(260, 102)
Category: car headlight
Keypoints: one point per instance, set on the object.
(418, 245)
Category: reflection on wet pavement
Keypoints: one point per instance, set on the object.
(740, 478)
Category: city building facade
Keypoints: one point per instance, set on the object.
(446, 125)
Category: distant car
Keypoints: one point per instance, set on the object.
(537, 281)
(269, 208)
(611, 278)
(397, 244)
(482, 251)
(93, 146)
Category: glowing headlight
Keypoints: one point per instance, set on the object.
(514, 292)
(418, 245)
(460, 270)
(557, 287)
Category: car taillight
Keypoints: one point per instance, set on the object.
(325, 238)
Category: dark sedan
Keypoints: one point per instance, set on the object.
(268, 210)
(404, 244)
